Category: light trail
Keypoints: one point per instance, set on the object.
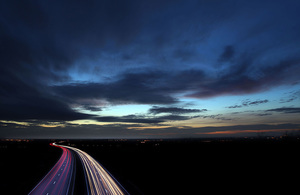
(99, 180)
(61, 178)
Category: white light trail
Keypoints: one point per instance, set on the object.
(99, 180)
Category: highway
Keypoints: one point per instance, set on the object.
(61, 178)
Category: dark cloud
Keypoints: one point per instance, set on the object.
(257, 102)
(144, 88)
(159, 87)
(235, 106)
(285, 110)
(174, 117)
(128, 119)
(215, 116)
(29, 61)
(227, 54)
(92, 108)
(151, 87)
(21, 101)
(40, 108)
(142, 119)
(287, 100)
(262, 114)
(173, 110)
(291, 97)
(144, 52)
(249, 103)
(240, 79)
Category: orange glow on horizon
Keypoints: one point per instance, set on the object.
(245, 131)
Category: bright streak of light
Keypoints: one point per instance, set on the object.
(99, 180)
(60, 179)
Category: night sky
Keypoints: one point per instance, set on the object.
(149, 69)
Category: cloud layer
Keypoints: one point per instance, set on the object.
(58, 57)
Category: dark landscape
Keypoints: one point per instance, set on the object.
(183, 166)
(149, 97)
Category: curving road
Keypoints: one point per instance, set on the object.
(61, 178)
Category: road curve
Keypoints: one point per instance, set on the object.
(99, 180)
(61, 178)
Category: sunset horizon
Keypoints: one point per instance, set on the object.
(148, 69)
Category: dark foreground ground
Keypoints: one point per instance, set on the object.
(165, 167)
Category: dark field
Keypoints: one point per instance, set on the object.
(165, 167)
